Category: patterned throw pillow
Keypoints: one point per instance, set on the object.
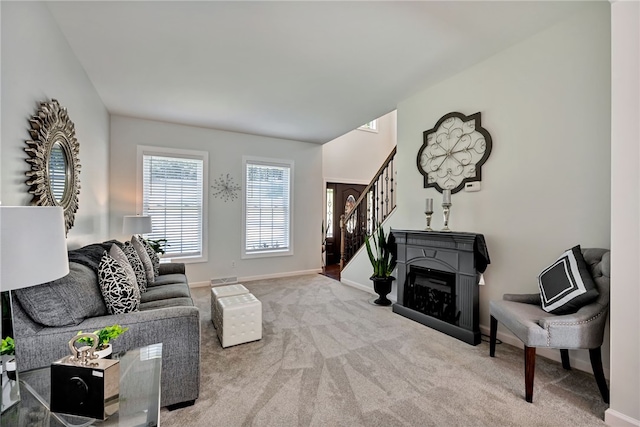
(566, 285)
(155, 260)
(117, 254)
(119, 294)
(144, 257)
(136, 265)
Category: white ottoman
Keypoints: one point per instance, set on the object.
(238, 319)
(225, 291)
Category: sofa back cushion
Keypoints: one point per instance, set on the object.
(66, 301)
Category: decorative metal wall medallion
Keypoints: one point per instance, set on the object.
(453, 152)
(54, 178)
(225, 189)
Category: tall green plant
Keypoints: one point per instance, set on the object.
(383, 261)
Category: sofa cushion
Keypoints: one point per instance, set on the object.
(120, 295)
(65, 301)
(136, 264)
(566, 285)
(177, 290)
(144, 257)
(169, 279)
(171, 302)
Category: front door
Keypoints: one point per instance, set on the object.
(340, 198)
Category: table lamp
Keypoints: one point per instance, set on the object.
(33, 250)
(136, 224)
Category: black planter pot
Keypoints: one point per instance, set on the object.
(382, 286)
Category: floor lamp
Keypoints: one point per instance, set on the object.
(33, 251)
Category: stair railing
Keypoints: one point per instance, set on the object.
(375, 203)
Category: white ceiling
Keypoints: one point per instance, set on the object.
(307, 71)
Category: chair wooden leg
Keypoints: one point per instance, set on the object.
(529, 370)
(596, 364)
(492, 336)
(564, 355)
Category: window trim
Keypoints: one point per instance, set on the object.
(365, 128)
(268, 162)
(190, 154)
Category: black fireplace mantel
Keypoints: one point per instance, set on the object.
(463, 254)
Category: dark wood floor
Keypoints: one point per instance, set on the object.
(332, 271)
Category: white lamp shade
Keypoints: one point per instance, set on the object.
(33, 246)
(136, 224)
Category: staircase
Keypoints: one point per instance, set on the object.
(375, 203)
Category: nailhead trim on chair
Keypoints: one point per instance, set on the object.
(570, 324)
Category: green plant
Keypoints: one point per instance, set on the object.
(384, 261)
(158, 245)
(105, 335)
(8, 346)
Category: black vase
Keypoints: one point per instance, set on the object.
(382, 286)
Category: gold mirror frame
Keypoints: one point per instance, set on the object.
(50, 126)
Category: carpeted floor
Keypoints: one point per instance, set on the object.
(328, 357)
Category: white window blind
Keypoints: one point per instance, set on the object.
(172, 194)
(267, 207)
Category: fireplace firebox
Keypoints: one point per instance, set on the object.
(438, 274)
(433, 293)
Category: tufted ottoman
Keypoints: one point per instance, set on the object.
(225, 291)
(238, 319)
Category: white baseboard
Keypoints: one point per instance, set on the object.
(614, 418)
(365, 288)
(277, 275)
(200, 284)
(549, 353)
(358, 286)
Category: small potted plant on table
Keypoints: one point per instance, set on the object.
(383, 262)
(105, 335)
(7, 352)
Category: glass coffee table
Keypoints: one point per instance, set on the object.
(140, 371)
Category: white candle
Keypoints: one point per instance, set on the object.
(429, 207)
(446, 196)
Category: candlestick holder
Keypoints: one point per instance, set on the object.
(446, 207)
(428, 214)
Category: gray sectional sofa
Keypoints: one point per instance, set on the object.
(47, 316)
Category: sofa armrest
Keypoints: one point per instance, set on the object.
(171, 268)
(177, 328)
(523, 298)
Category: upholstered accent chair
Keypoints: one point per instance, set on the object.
(524, 317)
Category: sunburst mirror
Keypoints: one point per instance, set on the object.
(54, 177)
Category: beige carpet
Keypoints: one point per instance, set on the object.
(329, 357)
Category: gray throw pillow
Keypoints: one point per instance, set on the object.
(144, 257)
(117, 254)
(155, 259)
(120, 295)
(65, 301)
(136, 264)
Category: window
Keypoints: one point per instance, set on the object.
(267, 207)
(372, 126)
(173, 194)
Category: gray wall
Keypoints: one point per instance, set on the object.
(546, 186)
(38, 65)
(225, 218)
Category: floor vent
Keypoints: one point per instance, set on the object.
(224, 281)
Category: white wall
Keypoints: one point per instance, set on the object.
(225, 218)
(356, 156)
(38, 65)
(625, 215)
(546, 185)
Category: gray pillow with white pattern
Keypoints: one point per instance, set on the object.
(144, 257)
(120, 295)
(136, 265)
